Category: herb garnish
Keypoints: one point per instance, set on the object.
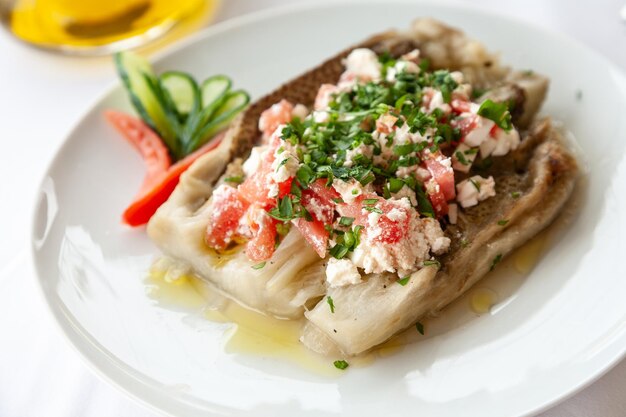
(495, 261)
(341, 364)
(496, 112)
(259, 265)
(420, 327)
(238, 179)
(431, 262)
(330, 302)
(404, 281)
(502, 222)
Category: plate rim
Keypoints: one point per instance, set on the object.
(65, 324)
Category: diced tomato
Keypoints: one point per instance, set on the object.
(261, 246)
(494, 131)
(228, 208)
(465, 124)
(460, 105)
(391, 231)
(315, 234)
(280, 113)
(444, 175)
(437, 198)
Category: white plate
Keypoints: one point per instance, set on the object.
(563, 326)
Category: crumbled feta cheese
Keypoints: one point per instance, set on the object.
(300, 111)
(434, 234)
(349, 190)
(251, 219)
(285, 164)
(437, 102)
(402, 256)
(467, 155)
(480, 132)
(364, 64)
(457, 76)
(341, 272)
(253, 163)
(506, 141)
(402, 66)
(396, 215)
(475, 189)
(362, 149)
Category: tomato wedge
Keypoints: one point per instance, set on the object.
(444, 175)
(261, 246)
(161, 177)
(228, 207)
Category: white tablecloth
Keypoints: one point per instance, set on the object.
(42, 95)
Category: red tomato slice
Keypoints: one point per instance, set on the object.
(280, 113)
(315, 234)
(261, 246)
(437, 198)
(228, 208)
(444, 176)
(465, 124)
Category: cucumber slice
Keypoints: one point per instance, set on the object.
(139, 80)
(183, 92)
(233, 104)
(214, 88)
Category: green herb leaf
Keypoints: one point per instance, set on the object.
(502, 222)
(497, 112)
(341, 364)
(404, 281)
(516, 194)
(461, 158)
(331, 304)
(259, 265)
(495, 261)
(338, 251)
(432, 262)
(235, 179)
(346, 221)
(420, 327)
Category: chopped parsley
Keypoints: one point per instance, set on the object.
(420, 327)
(259, 265)
(238, 179)
(432, 262)
(404, 281)
(341, 364)
(346, 221)
(461, 158)
(331, 304)
(496, 112)
(516, 194)
(502, 222)
(495, 261)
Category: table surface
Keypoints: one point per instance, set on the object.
(41, 375)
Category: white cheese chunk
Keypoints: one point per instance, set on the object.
(253, 163)
(467, 155)
(341, 272)
(364, 64)
(475, 189)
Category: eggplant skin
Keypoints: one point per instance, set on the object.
(542, 171)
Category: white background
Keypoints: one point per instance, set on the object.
(42, 95)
